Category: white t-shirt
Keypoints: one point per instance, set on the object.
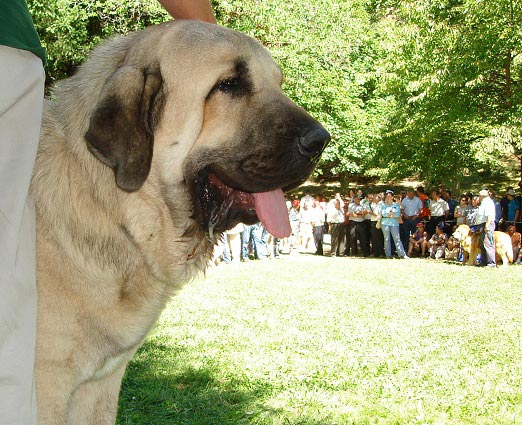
(438, 208)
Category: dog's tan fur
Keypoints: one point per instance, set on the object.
(470, 243)
(109, 259)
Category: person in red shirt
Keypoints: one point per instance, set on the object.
(424, 214)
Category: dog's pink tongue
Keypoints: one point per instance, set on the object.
(271, 210)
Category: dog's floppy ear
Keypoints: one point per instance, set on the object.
(121, 127)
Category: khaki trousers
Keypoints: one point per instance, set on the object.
(21, 100)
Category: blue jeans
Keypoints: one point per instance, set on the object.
(223, 243)
(254, 237)
(394, 232)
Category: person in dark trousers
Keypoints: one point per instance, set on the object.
(335, 220)
(358, 233)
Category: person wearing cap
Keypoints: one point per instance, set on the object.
(437, 243)
(411, 206)
(391, 212)
(485, 224)
(418, 241)
(513, 208)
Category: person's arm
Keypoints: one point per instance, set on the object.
(490, 214)
(397, 211)
(189, 9)
(402, 213)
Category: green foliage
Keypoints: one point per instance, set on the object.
(454, 69)
(428, 89)
(70, 29)
(324, 50)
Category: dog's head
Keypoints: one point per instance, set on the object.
(461, 232)
(199, 105)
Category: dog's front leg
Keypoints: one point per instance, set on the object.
(53, 393)
(96, 402)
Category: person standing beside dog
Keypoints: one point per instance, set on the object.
(22, 81)
(485, 222)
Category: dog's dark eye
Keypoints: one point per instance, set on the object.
(229, 85)
(234, 86)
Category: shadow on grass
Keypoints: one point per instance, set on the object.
(161, 387)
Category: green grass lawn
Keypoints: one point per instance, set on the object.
(316, 340)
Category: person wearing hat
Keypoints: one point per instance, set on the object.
(485, 224)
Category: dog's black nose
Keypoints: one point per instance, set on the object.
(314, 141)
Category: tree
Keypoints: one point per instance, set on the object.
(69, 30)
(455, 75)
(429, 89)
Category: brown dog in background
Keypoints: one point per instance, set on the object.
(469, 241)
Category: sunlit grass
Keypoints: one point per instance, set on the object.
(315, 340)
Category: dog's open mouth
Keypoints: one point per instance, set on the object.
(222, 207)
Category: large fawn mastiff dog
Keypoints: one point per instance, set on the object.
(163, 139)
(469, 241)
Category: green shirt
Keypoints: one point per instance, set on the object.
(17, 29)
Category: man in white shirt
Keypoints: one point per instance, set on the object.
(318, 219)
(358, 233)
(335, 220)
(439, 211)
(411, 206)
(485, 222)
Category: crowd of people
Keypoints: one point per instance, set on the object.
(384, 225)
